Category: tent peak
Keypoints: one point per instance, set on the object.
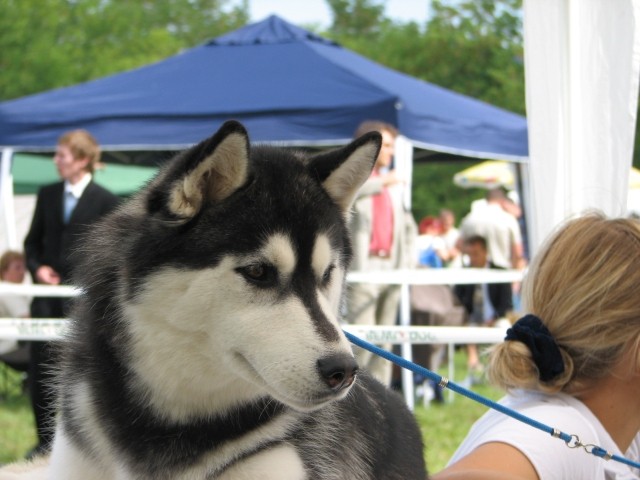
(272, 29)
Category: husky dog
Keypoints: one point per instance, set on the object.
(206, 342)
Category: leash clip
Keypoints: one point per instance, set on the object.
(574, 442)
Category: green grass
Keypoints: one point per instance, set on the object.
(17, 431)
(444, 426)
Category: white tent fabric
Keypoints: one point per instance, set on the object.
(582, 64)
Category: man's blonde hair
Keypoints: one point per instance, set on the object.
(82, 145)
(583, 285)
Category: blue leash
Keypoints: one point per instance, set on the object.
(572, 441)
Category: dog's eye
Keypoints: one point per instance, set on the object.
(326, 277)
(259, 274)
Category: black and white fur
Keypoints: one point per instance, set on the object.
(207, 344)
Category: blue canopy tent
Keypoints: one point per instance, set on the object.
(286, 84)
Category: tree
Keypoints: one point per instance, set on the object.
(472, 47)
(356, 18)
(53, 43)
(476, 48)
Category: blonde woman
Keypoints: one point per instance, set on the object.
(572, 363)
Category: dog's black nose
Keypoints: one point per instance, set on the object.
(338, 371)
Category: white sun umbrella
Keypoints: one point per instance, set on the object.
(488, 174)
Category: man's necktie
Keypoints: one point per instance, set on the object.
(70, 202)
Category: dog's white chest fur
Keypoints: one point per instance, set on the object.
(279, 463)
(282, 463)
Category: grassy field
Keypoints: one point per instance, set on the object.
(443, 425)
(17, 433)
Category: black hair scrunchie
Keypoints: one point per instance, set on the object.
(545, 352)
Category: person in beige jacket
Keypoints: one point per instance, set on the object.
(383, 234)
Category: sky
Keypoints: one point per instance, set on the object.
(317, 11)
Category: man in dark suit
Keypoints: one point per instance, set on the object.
(63, 212)
(484, 303)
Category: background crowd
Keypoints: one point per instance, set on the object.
(386, 236)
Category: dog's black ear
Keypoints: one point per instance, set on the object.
(342, 172)
(208, 172)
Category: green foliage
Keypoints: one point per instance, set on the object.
(471, 47)
(17, 432)
(46, 44)
(476, 48)
(445, 426)
(361, 18)
(433, 189)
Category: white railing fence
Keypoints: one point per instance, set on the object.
(404, 335)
